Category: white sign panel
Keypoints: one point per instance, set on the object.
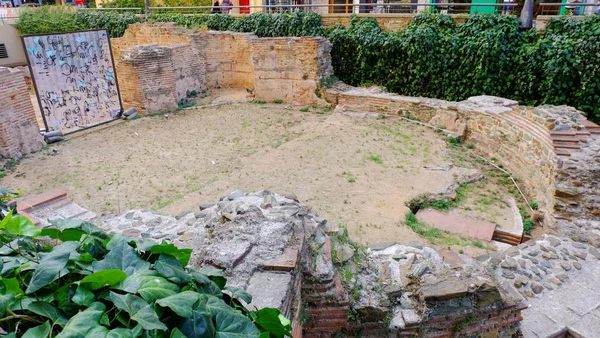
(75, 79)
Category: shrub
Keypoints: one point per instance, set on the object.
(91, 284)
(58, 19)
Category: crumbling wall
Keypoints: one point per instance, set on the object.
(228, 58)
(19, 131)
(547, 148)
(290, 68)
(155, 79)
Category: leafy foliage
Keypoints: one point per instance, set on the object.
(57, 19)
(90, 284)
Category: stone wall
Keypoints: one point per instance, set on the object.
(533, 144)
(19, 131)
(228, 58)
(177, 61)
(290, 68)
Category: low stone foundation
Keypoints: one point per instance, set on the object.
(279, 252)
(551, 150)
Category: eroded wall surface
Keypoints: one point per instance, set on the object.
(148, 56)
(19, 131)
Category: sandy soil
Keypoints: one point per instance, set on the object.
(355, 171)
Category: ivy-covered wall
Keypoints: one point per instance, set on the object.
(432, 57)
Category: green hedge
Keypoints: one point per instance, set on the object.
(55, 19)
(434, 57)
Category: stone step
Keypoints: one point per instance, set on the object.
(589, 124)
(566, 145)
(573, 139)
(562, 133)
(562, 152)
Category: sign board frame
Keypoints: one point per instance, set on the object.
(37, 92)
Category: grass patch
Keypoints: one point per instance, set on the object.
(437, 236)
(304, 109)
(528, 223)
(259, 101)
(278, 101)
(375, 158)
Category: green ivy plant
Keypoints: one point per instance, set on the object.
(74, 280)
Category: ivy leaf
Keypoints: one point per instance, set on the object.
(270, 320)
(170, 268)
(204, 284)
(182, 303)
(122, 257)
(44, 309)
(83, 296)
(230, 324)
(65, 235)
(241, 294)
(19, 225)
(39, 331)
(50, 266)
(182, 255)
(5, 302)
(100, 279)
(132, 283)
(215, 275)
(82, 322)
(153, 288)
(140, 311)
(175, 333)
(199, 325)
(86, 227)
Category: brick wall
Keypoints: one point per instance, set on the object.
(19, 131)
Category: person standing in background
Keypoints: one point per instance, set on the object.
(215, 8)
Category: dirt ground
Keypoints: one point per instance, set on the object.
(356, 171)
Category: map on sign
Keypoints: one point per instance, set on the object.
(74, 77)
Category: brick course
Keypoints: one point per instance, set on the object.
(19, 131)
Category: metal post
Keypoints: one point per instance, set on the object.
(147, 8)
(527, 15)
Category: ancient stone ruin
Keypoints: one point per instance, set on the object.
(288, 257)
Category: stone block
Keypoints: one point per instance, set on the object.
(269, 289)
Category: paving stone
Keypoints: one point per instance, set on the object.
(581, 255)
(577, 265)
(509, 263)
(565, 265)
(411, 317)
(554, 241)
(522, 263)
(561, 276)
(546, 264)
(594, 252)
(508, 274)
(268, 289)
(533, 253)
(536, 324)
(587, 326)
(554, 280)
(132, 232)
(543, 248)
(579, 245)
(536, 287)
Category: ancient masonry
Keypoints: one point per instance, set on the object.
(159, 65)
(19, 131)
